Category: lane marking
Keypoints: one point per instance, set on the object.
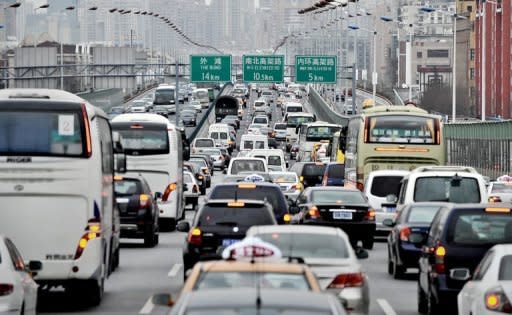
(386, 307)
(148, 307)
(174, 270)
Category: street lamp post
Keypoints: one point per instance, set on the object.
(70, 8)
(374, 51)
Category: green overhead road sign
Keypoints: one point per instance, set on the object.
(210, 68)
(263, 68)
(315, 69)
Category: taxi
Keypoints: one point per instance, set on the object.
(247, 264)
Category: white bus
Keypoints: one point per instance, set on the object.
(202, 96)
(153, 148)
(56, 174)
(312, 133)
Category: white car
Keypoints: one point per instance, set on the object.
(18, 291)
(327, 251)
(196, 105)
(192, 192)
(289, 183)
(489, 291)
(500, 192)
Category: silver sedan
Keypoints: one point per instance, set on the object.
(329, 254)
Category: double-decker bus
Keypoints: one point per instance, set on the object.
(391, 138)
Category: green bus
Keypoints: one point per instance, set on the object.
(390, 138)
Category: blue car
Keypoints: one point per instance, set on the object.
(412, 222)
(334, 175)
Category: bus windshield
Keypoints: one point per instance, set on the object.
(164, 96)
(144, 141)
(41, 133)
(298, 120)
(402, 129)
(317, 133)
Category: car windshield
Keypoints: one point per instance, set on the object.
(294, 109)
(383, 186)
(204, 143)
(478, 227)
(447, 189)
(312, 170)
(502, 188)
(297, 120)
(280, 126)
(422, 213)
(221, 215)
(272, 194)
(260, 120)
(247, 166)
(307, 245)
(336, 171)
(337, 197)
(283, 178)
(232, 279)
(127, 187)
(505, 273)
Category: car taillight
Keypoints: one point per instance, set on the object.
(404, 234)
(313, 212)
(145, 201)
(168, 190)
(370, 215)
(496, 300)
(347, 280)
(360, 186)
(439, 252)
(6, 289)
(93, 231)
(494, 199)
(195, 236)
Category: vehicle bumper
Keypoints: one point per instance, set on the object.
(357, 299)
(408, 255)
(169, 208)
(133, 230)
(11, 304)
(445, 296)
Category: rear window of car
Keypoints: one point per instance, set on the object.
(204, 143)
(502, 188)
(313, 170)
(274, 160)
(213, 215)
(382, 186)
(238, 166)
(447, 189)
(280, 126)
(477, 227)
(272, 280)
(307, 244)
(505, 273)
(127, 187)
(422, 214)
(272, 194)
(336, 170)
(338, 197)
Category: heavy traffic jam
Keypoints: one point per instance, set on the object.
(274, 210)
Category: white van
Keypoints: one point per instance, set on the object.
(455, 184)
(250, 142)
(247, 164)
(292, 107)
(220, 134)
(202, 96)
(56, 170)
(154, 149)
(199, 143)
(294, 120)
(274, 157)
(378, 186)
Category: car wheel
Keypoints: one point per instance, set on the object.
(149, 236)
(368, 244)
(422, 301)
(432, 306)
(390, 264)
(398, 271)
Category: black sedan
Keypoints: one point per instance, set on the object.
(412, 222)
(138, 208)
(189, 117)
(347, 209)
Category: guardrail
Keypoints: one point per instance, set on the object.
(323, 111)
(378, 98)
(205, 120)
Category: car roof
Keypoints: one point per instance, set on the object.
(141, 118)
(256, 266)
(226, 201)
(243, 297)
(258, 184)
(332, 188)
(388, 173)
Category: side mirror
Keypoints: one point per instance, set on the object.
(388, 222)
(120, 162)
(461, 274)
(35, 265)
(361, 253)
(183, 226)
(162, 299)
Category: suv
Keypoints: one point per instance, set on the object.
(199, 143)
(220, 223)
(458, 238)
(138, 208)
(310, 173)
(268, 192)
(455, 184)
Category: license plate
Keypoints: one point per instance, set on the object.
(389, 209)
(228, 242)
(342, 215)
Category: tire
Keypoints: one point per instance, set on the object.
(397, 271)
(422, 301)
(117, 259)
(89, 292)
(368, 243)
(390, 264)
(149, 236)
(156, 239)
(432, 306)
